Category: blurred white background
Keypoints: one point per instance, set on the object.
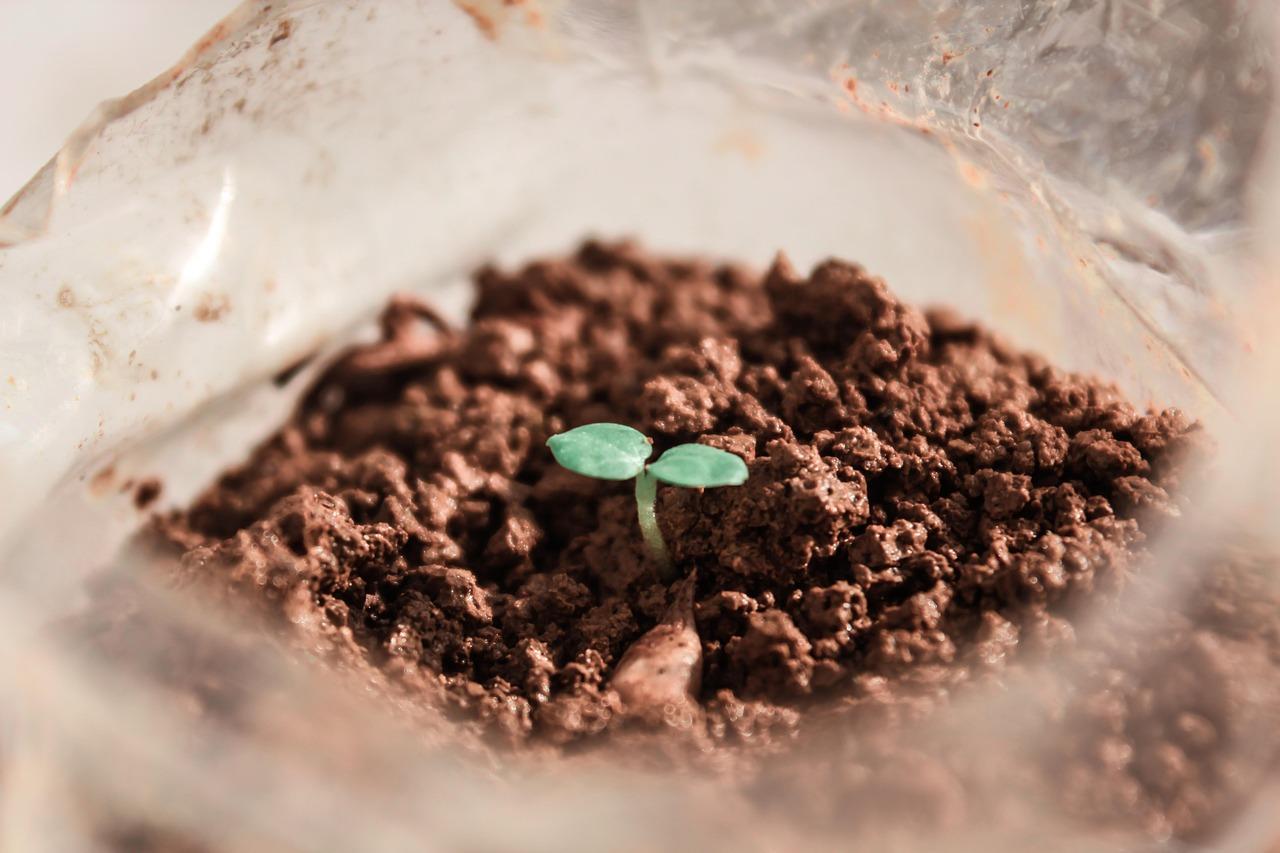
(58, 58)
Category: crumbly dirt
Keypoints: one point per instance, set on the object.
(927, 509)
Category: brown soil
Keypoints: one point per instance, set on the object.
(927, 509)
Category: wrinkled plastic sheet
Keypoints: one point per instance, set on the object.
(1084, 175)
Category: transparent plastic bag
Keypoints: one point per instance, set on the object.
(1089, 178)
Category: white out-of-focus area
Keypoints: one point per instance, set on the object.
(60, 58)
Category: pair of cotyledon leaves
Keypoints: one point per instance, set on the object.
(617, 452)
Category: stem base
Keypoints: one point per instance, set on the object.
(647, 511)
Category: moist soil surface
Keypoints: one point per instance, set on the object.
(927, 509)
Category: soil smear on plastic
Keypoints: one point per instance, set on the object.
(929, 512)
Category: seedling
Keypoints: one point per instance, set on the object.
(617, 452)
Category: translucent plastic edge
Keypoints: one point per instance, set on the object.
(26, 216)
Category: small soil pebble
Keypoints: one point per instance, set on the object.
(928, 509)
(146, 492)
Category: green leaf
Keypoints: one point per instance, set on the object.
(697, 465)
(603, 451)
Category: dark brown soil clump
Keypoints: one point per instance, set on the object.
(927, 508)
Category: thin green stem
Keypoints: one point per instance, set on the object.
(647, 510)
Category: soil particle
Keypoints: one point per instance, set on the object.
(483, 22)
(283, 30)
(146, 492)
(927, 509)
(212, 307)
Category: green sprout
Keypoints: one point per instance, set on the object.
(617, 452)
